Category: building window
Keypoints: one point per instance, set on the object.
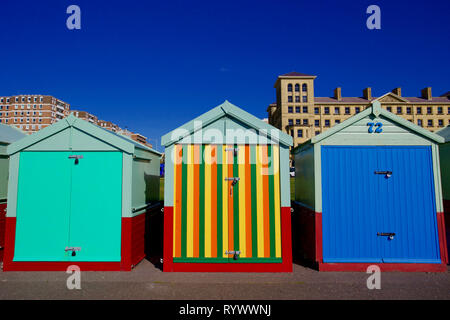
(439, 110)
(317, 133)
(316, 110)
(290, 122)
(389, 109)
(290, 87)
(297, 98)
(290, 109)
(429, 110)
(317, 123)
(290, 99)
(305, 99)
(297, 121)
(305, 109)
(327, 110)
(305, 122)
(304, 87)
(327, 123)
(337, 121)
(357, 109)
(399, 110)
(297, 109)
(292, 133)
(430, 123)
(297, 87)
(419, 110)
(336, 110)
(347, 110)
(448, 110)
(440, 123)
(300, 133)
(408, 110)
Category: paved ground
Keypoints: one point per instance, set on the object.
(148, 282)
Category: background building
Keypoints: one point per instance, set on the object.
(31, 113)
(302, 115)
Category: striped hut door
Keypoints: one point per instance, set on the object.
(212, 217)
(254, 226)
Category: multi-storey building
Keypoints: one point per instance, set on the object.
(108, 125)
(31, 113)
(85, 116)
(302, 115)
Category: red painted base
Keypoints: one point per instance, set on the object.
(286, 251)
(402, 267)
(132, 250)
(310, 246)
(2, 229)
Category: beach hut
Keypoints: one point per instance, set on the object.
(78, 195)
(227, 194)
(444, 153)
(8, 134)
(368, 191)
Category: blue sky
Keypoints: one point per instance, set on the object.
(154, 65)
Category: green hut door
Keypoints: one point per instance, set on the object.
(69, 201)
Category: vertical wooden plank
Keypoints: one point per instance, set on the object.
(230, 157)
(271, 200)
(276, 167)
(219, 184)
(208, 201)
(248, 203)
(242, 201)
(214, 201)
(184, 187)
(190, 203)
(202, 204)
(195, 187)
(265, 179)
(260, 202)
(225, 192)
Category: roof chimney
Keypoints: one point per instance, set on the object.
(338, 94)
(426, 93)
(397, 91)
(367, 93)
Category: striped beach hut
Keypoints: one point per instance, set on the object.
(227, 194)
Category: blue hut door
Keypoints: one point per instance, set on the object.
(407, 211)
(379, 204)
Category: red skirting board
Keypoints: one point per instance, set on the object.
(132, 250)
(2, 229)
(309, 242)
(284, 266)
(447, 225)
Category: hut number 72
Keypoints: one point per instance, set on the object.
(379, 126)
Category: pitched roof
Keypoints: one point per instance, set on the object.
(226, 109)
(120, 142)
(9, 134)
(296, 74)
(445, 133)
(376, 110)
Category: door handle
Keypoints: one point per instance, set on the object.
(388, 174)
(386, 234)
(76, 157)
(233, 183)
(73, 249)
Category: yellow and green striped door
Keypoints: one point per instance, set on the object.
(213, 216)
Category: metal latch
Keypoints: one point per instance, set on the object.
(235, 150)
(235, 181)
(76, 157)
(388, 174)
(73, 249)
(234, 253)
(386, 234)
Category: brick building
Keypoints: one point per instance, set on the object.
(31, 113)
(302, 115)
